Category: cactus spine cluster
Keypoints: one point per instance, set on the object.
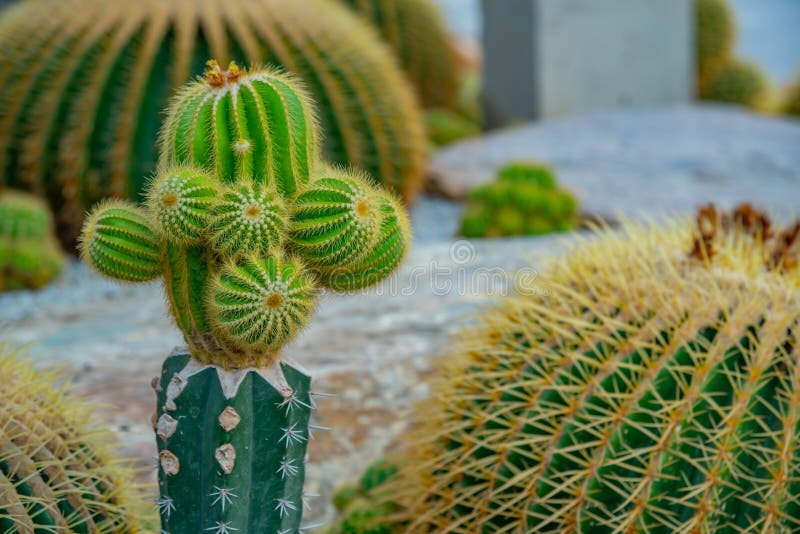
(418, 35)
(245, 224)
(523, 200)
(58, 470)
(84, 86)
(30, 256)
(654, 388)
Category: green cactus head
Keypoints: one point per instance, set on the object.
(243, 222)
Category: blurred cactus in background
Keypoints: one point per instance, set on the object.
(740, 82)
(30, 256)
(59, 472)
(715, 39)
(654, 388)
(245, 224)
(721, 77)
(445, 127)
(523, 200)
(791, 103)
(362, 512)
(418, 34)
(84, 86)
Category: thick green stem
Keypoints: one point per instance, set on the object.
(232, 447)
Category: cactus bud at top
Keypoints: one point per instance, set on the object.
(181, 201)
(118, 241)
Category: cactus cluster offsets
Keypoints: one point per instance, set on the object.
(654, 389)
(84, 87)
(245, 224)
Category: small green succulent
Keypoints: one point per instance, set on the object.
(363, 509)
(524, 199)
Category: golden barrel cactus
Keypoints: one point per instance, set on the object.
(84, 87)
(59, 472)
(655, 387)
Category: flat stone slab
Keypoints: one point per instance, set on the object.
(371, 350)
(645, 162)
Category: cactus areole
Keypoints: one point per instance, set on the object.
(245, 225)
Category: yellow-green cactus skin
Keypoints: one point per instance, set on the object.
(83, 88)
(245, 224)
(59, 470)
(30, 256)
(655, 387)
(417, 33)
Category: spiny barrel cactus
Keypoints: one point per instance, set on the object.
(30, 256)
(84, 86)
(244, 224)
(416, 31)
(524, 200)
(59, 471)
(715, 40)
(654, 388)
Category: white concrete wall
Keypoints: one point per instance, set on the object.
(587, 54)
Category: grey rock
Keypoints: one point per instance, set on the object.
(645, 162)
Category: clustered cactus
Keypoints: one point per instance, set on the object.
(418, 35)
(59, 471)
(83, 88)
(523, 200)
(30, 256)
(654, 388)
(720, 75)
(245, 225)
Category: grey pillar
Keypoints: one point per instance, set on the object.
(545, 58)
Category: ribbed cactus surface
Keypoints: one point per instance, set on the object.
(418, 35)
(84, 86)
(58, 469)
(655, 387)
(30, 256)
(244, 224)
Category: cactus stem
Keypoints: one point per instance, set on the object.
(165, 506)
(222, 496)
